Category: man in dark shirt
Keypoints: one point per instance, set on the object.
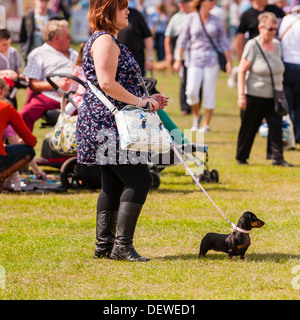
(249, 21)
(136, 37)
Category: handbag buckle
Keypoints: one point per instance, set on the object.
(144, 123)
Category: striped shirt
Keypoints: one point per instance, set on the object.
(201, 52)
(45, 60)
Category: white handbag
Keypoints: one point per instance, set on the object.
(139, 129)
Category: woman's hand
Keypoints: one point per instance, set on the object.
(157, 101)
(242, 102)
(150, 104)
(228, 67)
(161, 99)
(177, 65)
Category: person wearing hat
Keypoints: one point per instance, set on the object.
(289, 34)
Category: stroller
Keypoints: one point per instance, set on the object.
(76, 176)
(195, 153)
(72, 175)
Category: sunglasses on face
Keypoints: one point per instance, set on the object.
(270, 29)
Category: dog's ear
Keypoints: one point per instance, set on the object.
(245, 221)
(252, 216)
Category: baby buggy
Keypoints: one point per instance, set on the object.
(74, 176)
(193, 153)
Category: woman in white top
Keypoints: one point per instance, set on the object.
(289, 33)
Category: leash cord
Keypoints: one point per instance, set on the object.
(177, 153)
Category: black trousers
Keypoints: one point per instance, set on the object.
(123, 183)
(258, 109)
(184, 105)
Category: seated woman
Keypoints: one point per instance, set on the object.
(14, 156)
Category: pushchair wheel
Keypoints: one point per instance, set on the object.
(214, 176)
(204, 176)
(208, 176)
(68, 175)
(155, 180)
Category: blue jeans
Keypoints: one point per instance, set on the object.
(15, 152)
(159, 46)
(291, 87)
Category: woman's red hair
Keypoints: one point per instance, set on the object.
(102, 14)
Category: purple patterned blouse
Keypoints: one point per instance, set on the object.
(201, 52)
(96, 131)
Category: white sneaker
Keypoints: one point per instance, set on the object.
(196, 123)
(204, 129)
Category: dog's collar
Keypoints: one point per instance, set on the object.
(235, 227)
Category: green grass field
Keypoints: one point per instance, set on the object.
(47, 241)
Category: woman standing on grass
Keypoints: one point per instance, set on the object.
(126, 180)
(202, 59)
(255, 91)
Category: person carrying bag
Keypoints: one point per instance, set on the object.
(280, 102)
(126, 179)
(256, 91)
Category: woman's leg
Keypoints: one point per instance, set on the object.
(193, 85)
(15, 153)
(124, 191)
(18, 156)
(251, 120)
(107, 212)
(209, 93)
(137, 180)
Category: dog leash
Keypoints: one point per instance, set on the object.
(234, 226)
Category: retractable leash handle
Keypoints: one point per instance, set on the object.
(234, 226)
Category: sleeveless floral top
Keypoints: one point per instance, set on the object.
(96, 132)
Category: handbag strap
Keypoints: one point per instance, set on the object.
(289, 27)
(208, 36)
(106, 102)
(271, 73)
(102, 98)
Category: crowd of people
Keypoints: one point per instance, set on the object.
(239, 24)
(188, 49)
(45, 46)
(191, 36)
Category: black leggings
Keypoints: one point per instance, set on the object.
(257, 109)
(123, 183)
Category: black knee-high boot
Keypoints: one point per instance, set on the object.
(105, 232)
(127, 218)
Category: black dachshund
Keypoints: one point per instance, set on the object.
(235, 243)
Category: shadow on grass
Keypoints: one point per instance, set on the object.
(273, 256)
(72, 192)
(208, 188)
